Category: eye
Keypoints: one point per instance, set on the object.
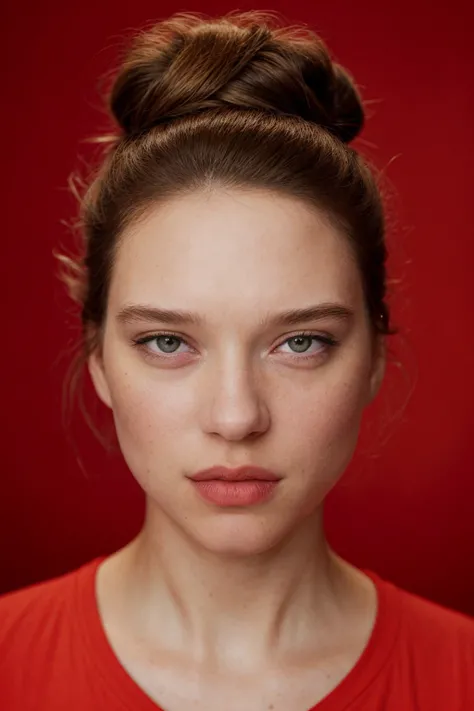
(163, 343)
(301, 343)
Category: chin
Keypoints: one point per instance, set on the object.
(238, 534)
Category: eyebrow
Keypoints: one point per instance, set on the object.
(143, 312)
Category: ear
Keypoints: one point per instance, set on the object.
(378, 368)
(97, 372)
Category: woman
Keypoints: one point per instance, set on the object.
(232, 293)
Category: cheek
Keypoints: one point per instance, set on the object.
(333, 417)
(321, 428)
(150, 421)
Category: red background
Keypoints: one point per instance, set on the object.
(406, 506)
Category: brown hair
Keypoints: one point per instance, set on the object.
(239, 102)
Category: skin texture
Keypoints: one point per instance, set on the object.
(246, 593)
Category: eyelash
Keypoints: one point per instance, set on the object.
(327, 341)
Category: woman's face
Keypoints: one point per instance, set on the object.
(237, 386)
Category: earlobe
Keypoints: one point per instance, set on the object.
(99, 379)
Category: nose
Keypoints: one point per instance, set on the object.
(234, 407)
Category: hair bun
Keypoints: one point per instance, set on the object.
(186, 64)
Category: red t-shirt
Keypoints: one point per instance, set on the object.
(54, 655)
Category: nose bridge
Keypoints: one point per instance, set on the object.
(234, 401)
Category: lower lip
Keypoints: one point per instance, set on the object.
(235, 493)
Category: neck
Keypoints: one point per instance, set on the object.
(251, 608)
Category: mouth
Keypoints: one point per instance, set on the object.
(235, 493)
(245, 486)
(246, 473)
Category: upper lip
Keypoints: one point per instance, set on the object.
(238, 474)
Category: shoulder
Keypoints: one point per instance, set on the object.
(35, 615)
(431, 644)
(435, 624)
(30, 601)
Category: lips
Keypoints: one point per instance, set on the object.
(245, 473)
(244, 486)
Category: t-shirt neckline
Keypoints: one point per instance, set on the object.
(131, 696)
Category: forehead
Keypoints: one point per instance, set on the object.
(233, 249)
